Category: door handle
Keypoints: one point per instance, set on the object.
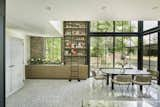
(11, 66)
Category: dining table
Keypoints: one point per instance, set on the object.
(114, 72)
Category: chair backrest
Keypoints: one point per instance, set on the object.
(154, 73)
(93, 73)
(143, 78)
(124, 78)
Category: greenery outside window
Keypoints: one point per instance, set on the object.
(114, 26)
(106, 52)
(53, 50)
(101, 26)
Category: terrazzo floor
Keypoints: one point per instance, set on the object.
(62, 93)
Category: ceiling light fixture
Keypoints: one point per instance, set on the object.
(103, 7)
(48, 8)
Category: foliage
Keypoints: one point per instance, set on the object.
(53, 50)
(108, 26)
(101, 45)
(36, 61)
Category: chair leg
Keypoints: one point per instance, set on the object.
(121, 88)
(128, 90)
(140, 91)
(148, 90)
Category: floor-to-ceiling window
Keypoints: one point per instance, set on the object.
(150, 47)
(107, 51)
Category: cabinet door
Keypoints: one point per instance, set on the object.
(83, 71)
(15, 65)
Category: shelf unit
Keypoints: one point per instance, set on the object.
(75, 46)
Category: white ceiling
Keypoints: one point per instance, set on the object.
(34, 15)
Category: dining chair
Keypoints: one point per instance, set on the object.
(143, 80)
(98, 77)
(154, 74)
(123, 80)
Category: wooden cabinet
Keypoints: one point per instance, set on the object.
(82, 71)
(54, 71)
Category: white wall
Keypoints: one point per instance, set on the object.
(21, 35)
(10, 33)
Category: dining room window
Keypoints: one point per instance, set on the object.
(107, 52)
(113, 26)
(101, 52)
(150, 54)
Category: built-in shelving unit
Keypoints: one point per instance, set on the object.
(75, 45)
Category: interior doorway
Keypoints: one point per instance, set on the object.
(14, 64)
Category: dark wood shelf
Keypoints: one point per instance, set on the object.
(75, 36)
(74, 27)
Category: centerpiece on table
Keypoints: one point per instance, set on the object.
(124, 62)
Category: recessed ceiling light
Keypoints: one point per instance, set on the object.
(49, 8)
(155, 7)
(103, 7)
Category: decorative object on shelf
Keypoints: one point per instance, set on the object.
(124, 62)
(74, 51)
